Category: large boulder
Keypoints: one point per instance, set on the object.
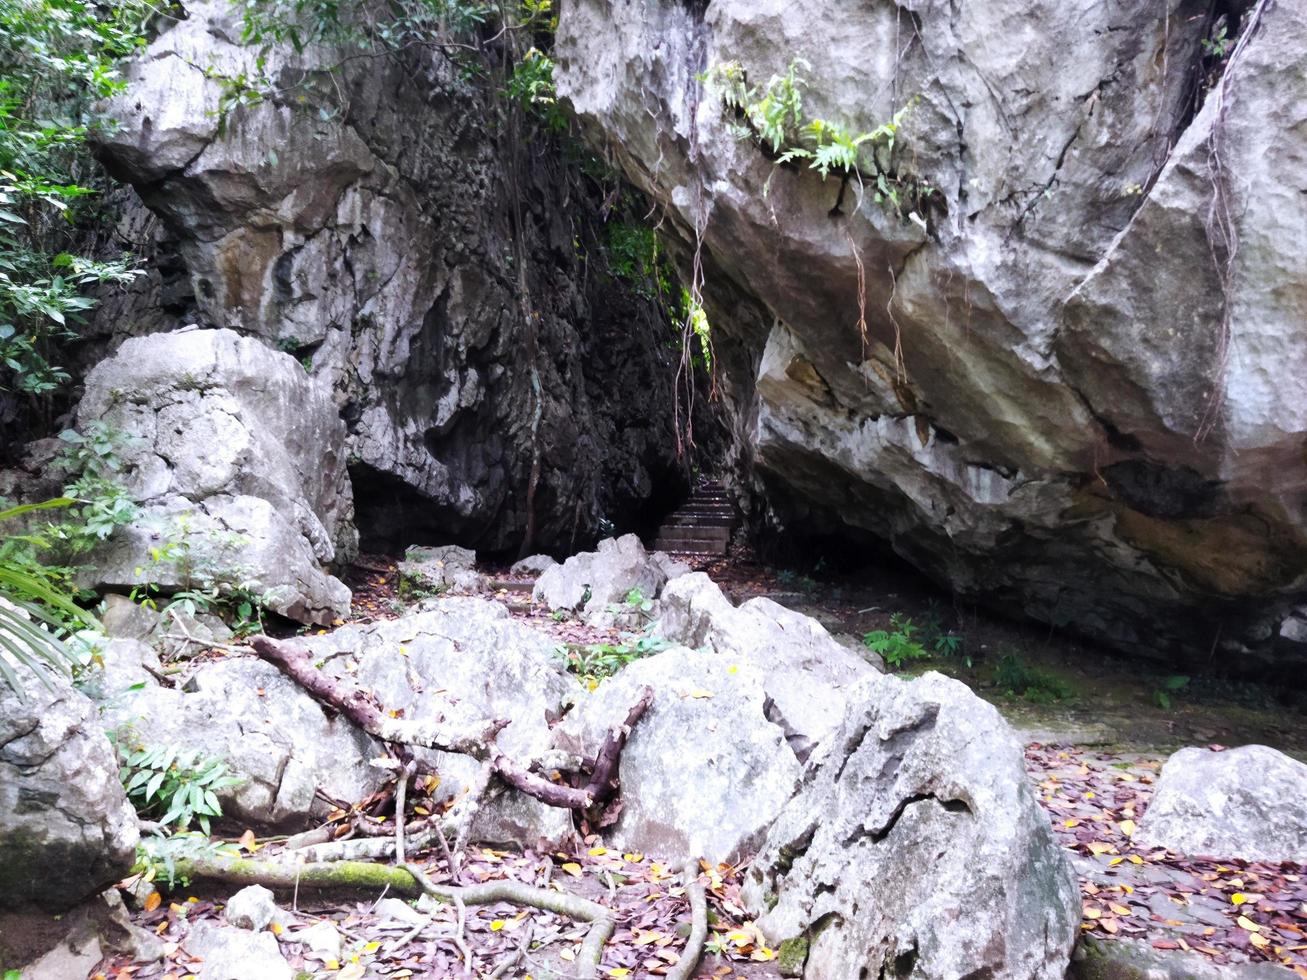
(1066, 372)
(286, 751)
(719, 752)
(430, 571)
(1248, 803)
(464, 659)
(66, 828)
(359, 218)
(237, 458)
(915, 847)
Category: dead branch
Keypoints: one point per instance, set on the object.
(477, 741)
(341, 696)
(689, 961)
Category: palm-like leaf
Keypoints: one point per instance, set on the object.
(32, 601)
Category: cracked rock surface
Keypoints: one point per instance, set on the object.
(915, 847)
(66, 828)
(1081, 374)
(237, 459)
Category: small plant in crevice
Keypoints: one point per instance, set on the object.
(1017, 678)
(773, 114)
(593, 662)
(1168, 690)
(173, 786)
(899, 644)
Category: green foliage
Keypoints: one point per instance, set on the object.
(157, 854)
(1219, 44)
(789, 578)
(1169, 688)
(57, 57)
(897, 645)
(531, 85)
(774, 116)
(1019, 679)
(35, 611)
(173, 785)
(596, 661)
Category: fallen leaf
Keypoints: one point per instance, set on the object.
(1246, 923)
(153, 901)
(572, 868)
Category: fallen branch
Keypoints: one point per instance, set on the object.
(350, 701)
(689, 961)
(477, 741)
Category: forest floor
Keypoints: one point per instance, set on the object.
(1097, 729)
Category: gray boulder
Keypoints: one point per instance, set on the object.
(435, 570)
(1068, 367)
(66, 828)
(253, 907)
(532, 565)
(1248, 803)
(596, 583)
(915, 847)
(236, 954)
(719, 752)
(463, 659)
(273, 736)
(238, 461)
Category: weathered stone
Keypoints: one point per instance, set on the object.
(253, 907)
(1248, 803)
(236, 954)
(717, 755)
(465, 659)
(1065, 377)
(596, 583)
(533, 565)
(321, 937)
(1130, 959)
(916, 847)
(66, 828)
(238, 461)
(268, 731)
(436, 570)
(376, 244)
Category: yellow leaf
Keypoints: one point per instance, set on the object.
(633, 857)
(277, 928)
(247, 841)
(152, 901)
(597, 851)
(1127, 827)
(331, 964)
(1092, 913)
(699, 692)
(422, 812)
(1098, 847)
(617, 972)
(1238, 898)
(496, 925)
(1115, 861)
(572, 868)
(1068, 824)
(762, 954)
(1136, 859)
(1261, 942)
(1247, 923)
(1120, 909)
(371, 947)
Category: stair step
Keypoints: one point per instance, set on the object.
(695, 534)
(691, 548)
(700, 520)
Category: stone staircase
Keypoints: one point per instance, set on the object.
(702, 526)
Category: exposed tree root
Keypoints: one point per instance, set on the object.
(409, 879)
(689, 961)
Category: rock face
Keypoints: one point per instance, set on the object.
(433, 570)
(915, 847)
(1248, 803)
(237, 458)
(1069, 377)
(719, 752)
(362, 220)
(66, 828)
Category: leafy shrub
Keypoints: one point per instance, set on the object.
(1169, 687)
(897, 645)
(1019, 679)
(173, 785)
(596, 661)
